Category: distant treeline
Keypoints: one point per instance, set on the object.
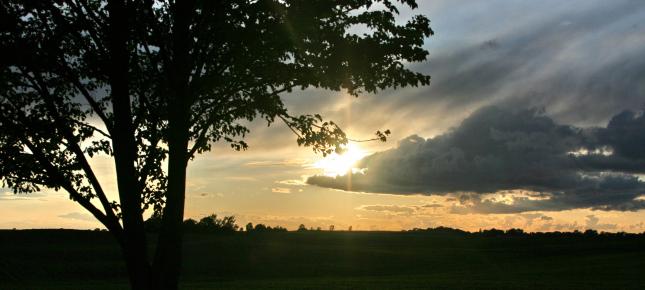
(519, 232)
(213, 224)
(227, 224)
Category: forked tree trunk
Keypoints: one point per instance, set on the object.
(124, 147)
(164, 272)
(167, 262)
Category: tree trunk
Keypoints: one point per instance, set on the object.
(167, 263)
(124, 147)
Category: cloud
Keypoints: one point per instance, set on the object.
(241, 178)
(554, 167)
(274, 163)
(579, 59)
(281, 190)
(395, 209)
(530, 218)
(402, 209)
(293, 182)
(78, 216)
(8, 195)
(593, 222)
(208, 195)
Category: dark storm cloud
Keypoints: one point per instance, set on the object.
(497, 149)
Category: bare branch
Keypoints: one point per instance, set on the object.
(289, 126)
(363, 140)
(90, 127)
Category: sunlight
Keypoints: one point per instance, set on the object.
(340, 164)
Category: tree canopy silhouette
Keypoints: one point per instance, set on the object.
(151, 81)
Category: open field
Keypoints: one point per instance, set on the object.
(61, 259)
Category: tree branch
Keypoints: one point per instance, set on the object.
(73, 145)
(289, 126)
(111, 223)
(96, 107)
(90, 127)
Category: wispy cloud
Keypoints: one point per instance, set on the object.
(281, 190)
(78, 216)
(272, 163)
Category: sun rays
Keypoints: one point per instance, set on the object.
(340, 164)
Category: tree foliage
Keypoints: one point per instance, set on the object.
(145, 82)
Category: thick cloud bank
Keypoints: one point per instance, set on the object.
(544, 165)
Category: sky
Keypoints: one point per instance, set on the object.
(533, 120)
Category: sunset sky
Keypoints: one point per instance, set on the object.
(533, 119)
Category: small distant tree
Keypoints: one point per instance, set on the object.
(279, 229)
(249, 227)
(302, 228)
(212, 223)
(260, 228)
(515, 232)
(153, 83)
(590, 233)
(331, 228)
(228, 224)
(492, 232)
(208, 222)
(190, 225)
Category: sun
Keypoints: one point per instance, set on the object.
(340, 164)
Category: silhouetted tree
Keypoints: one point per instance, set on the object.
(514, 232)
(279, 229)
(302, 228)
(492, 232)
(190, 225)
(260, 228)
(590, 233)
(212, 224)
(151, 80)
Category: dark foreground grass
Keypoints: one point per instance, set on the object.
(57, 259)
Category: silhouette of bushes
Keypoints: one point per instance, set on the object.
(208, 224)
(261, 228)
(227, 224)
(521, 233)
(213, 224)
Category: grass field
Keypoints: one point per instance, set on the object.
(61, 259)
